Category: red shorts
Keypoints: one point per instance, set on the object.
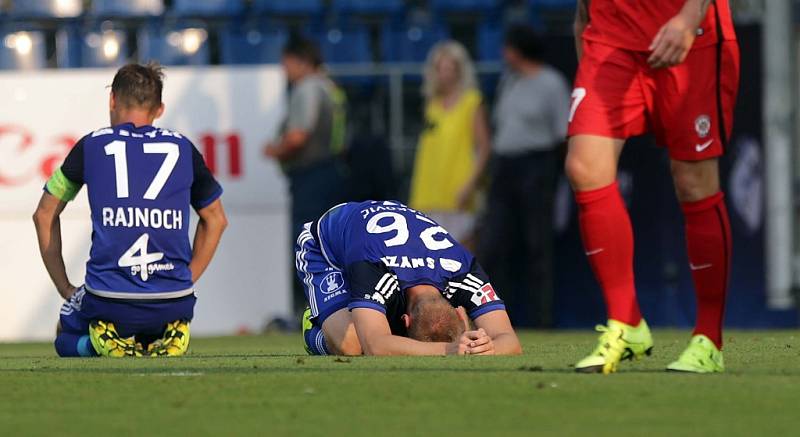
(689, 107)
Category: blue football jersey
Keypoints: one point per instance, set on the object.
(384, 248)
(141, 182)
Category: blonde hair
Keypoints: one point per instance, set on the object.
(455, 51)
(433, 319)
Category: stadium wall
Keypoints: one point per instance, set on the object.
(228, 112)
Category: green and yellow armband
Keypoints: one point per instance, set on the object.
(60, 186)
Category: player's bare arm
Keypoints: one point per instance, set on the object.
(376, 338)
(48, 230)
(502, 337)
(581, 20)
(210, 227)
(674, 40)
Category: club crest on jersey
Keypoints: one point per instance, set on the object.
(332, 282)
(702, 125)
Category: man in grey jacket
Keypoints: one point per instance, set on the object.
(530, 121)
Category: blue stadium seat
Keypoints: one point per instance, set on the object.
(444, 6)
(47, 8)
(553, 4)
(253, 46)
(349, 45)
(182, 45)
(490, 41)
(197, 8)
(23, 50)
(411, 43)
(368, 7)
(289, 7)
(127, 8)
(99, 48)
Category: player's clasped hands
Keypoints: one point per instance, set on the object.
(472, 343)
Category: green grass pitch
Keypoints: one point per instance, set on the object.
(265, 385)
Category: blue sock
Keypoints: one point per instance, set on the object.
(74, 345)
(315, 341)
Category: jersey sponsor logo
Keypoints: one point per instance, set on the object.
(385, 288)
(143, 264)
(701, 147)
(153, 218)
(482, 292)
(332, 282)
(702, 125)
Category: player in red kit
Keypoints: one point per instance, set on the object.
(671, 68)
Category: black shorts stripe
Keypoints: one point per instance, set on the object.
(723, 131)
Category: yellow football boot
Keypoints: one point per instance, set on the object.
(701, 356)
(617, 342)
(108, 343)
(174, 343)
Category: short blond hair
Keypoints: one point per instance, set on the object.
(455, 51)
(433, 319)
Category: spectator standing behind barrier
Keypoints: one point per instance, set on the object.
(312, 138)
(530, 120)
(454, 146)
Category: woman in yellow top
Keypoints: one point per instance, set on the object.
(454, 146)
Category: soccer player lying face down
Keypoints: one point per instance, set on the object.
(433, 319)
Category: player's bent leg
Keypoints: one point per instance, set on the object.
(608, 241)
(74, 345)
(695, 180)
(174, 342)
(340, 334)
(313, 337)
(108, 343)
(708, 241)
(592, 161)
(72, 329)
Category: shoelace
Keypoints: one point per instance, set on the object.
(608, 342)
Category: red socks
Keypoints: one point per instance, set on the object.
(708, 239)
(608, 240)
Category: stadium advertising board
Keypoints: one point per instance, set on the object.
(229, 113)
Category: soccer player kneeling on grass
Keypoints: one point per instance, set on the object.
(138, 296)
(384, 279)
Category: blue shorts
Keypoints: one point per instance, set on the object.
(129, 317)
(323, 283)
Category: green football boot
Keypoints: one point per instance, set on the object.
(108, 343)
(305, 322)
(701, 356)
(617, 342)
